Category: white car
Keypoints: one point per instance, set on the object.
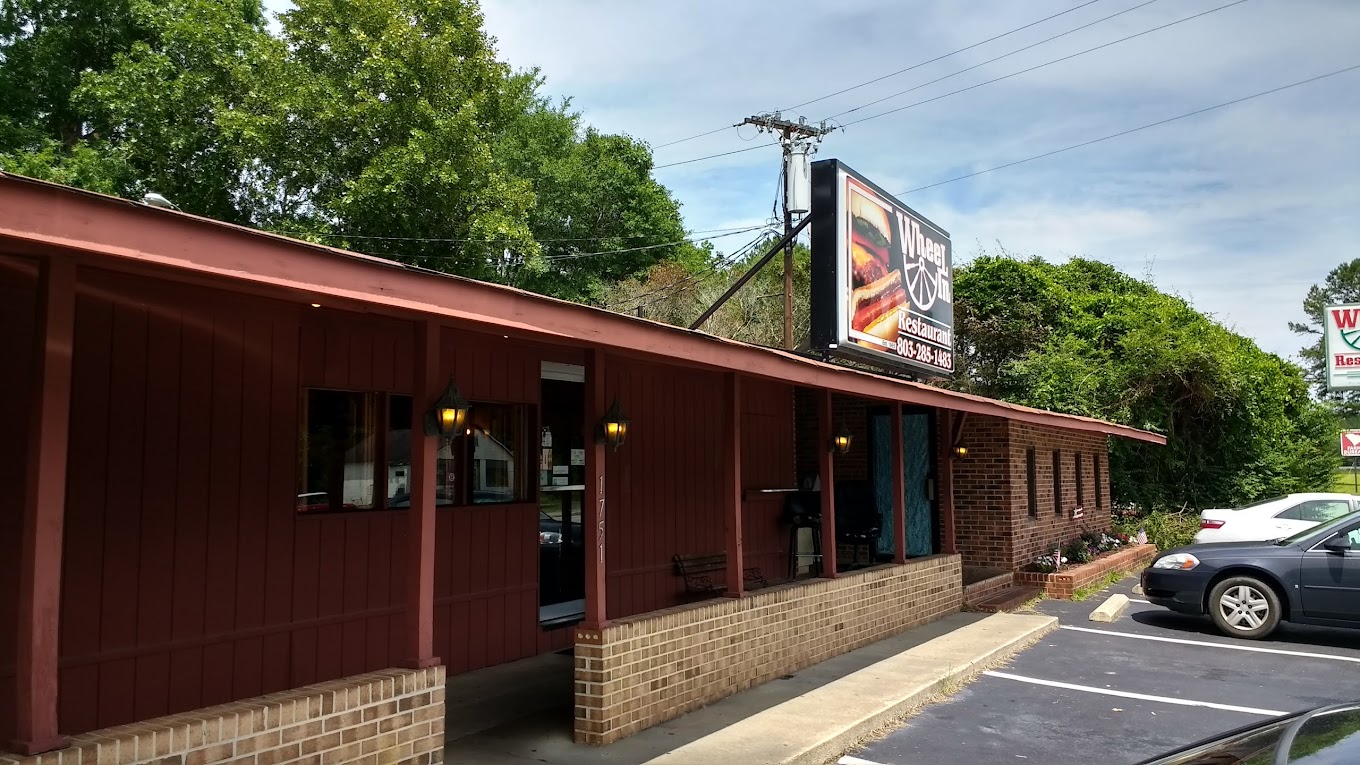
(1273, 518)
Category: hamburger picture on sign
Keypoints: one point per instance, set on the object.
(882, 276)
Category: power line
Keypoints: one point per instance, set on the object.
(691, 279)
(889, 75)
(1046, 63)
(691, 138)
(1131, 130)
(713, 156)
(993, 60)
(495, 239)
(573, 255)
(942, 57)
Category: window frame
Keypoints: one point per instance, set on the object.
(381, 406)
(1095, 474)
(1032, 481)
(1057, 482)
(1080, 482)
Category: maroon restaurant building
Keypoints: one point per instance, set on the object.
(244, 516)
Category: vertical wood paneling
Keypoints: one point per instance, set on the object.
(18, 303)
(181, 529)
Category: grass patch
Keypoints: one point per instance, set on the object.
(1344, 482)
(1110, 579)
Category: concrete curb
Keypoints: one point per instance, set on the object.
(1113, 608)
(820, 725)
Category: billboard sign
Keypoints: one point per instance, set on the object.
(1350, 443)
(1341, 333)
(882, 276)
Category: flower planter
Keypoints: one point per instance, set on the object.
(1067, 580)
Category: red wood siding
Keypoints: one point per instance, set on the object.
(663, 489)
(767, 462)
(187, 578)
(18, 301)
(486, 568)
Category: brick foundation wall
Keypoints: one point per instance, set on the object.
(379, 718)
(644, 670)
(1063, 584)
(980, 591)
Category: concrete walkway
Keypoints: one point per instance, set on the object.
(521, 713)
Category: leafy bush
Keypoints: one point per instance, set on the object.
(1078, 552)
(1166, 530)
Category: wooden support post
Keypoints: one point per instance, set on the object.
(594, 511)
(39, 614)
(420, 519)
(951, 429)
(731, 414)
(827, 475)
(899, 489)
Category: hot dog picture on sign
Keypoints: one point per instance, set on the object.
(882, 275)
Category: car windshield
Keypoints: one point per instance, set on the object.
(1328, 528)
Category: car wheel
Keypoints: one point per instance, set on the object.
(1245, 607)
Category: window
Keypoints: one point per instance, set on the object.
(337, 451)
(1316, 511)
(1030, 482)
(1081, 488)
(340, 448)
(497, 436)
(1057, 482)
(1095, 469)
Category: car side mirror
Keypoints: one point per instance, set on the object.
(1338, 543)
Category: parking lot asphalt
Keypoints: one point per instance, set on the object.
(1122, 692)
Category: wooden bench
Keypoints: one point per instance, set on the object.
(698, 570)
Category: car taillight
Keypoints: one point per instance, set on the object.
(1208, 524)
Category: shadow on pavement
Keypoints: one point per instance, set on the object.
(1287, 635)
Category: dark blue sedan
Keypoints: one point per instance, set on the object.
(1248, 588)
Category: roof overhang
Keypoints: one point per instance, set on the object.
(37, 217)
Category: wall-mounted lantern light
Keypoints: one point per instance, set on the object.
(840, 443)
(448, 414)
(613, 427)
(960, 451)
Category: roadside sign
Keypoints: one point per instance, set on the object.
(1350, 443)
(1341, 340)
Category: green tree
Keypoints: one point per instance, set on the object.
(1085, 339)
(387, 126)
(1342, 286)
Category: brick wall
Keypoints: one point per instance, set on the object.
(642, 671)
(379, 718)
(983, 504)
(1065, 583)
(993, 526)
(852, 412)
(1032, 537)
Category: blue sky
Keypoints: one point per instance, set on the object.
(1238, 210)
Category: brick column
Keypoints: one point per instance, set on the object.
(827, 475)
(594, 510)
(420, 519)
(946, 462)
(731, 414)
(899, 489)
(39, 613)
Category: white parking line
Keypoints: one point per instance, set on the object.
(1227, 646)
(848, 760)
(1136, 600)
(1140, 696)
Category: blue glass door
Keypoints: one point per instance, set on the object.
(916, 475)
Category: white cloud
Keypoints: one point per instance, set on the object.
(1239, 209)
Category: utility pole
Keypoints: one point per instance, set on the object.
(798, 140)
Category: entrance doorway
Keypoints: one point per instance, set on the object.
(561, 495)
(918, 480)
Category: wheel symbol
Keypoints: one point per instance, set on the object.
(1352, 337)
(923, 284)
